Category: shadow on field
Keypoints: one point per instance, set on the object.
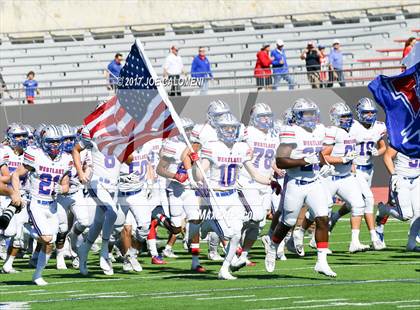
(16, 282)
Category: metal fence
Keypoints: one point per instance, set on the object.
(234, 81)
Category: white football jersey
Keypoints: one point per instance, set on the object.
(203, 133)
(86, 160)
(406, 166)
(264, 147)
(47, 172)
(141, 161)
(155, 147)
(367, 138)
(13, 161)
(172, 151)
(306, 143)
(343, 142)
(225, 163)
(103, 166)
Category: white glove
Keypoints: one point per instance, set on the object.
(326, 170)
(190, 174)
(374, 151)
(349, 157)
(58, 189)
(312, 159)
(149, 189)
(394, 181)
(130, 178)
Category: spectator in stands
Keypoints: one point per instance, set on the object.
(336, 65)
(113, 71)
(262, 71)
(313, 65)
(280, 67)
(200, 69)
(408, 46)
(31, 87)
(323, 59)
(172, 69)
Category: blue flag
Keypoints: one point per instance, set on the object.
(399, 96)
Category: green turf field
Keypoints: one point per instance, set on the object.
(389, 279)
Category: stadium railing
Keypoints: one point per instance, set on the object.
(95, 90)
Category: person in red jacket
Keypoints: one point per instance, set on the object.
(262, 71)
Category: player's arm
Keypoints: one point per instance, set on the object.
(381, 147)
(4, 190)
(162, 168)
(83, 177)
(389, 155)
(189, 157)
(283, 160)
(262, 179)
(326, 155)
(4, 174)
(205, 165)
(65, 184)
(21, 171)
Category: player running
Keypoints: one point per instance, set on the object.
(222, 159)
(299, 154)
(48, 170)
(404, 189)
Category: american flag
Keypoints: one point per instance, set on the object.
(137, 114)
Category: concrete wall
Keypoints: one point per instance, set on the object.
(195, 108)
(36, 15)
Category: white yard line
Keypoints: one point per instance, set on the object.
(346, 304)
(75, 298)
(22, 292)
(179, 296)
(225, 297)
(272, 298)
(97, 294)
(54, 293)
(318, 300)
(409, 306)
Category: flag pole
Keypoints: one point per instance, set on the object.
(177, 120)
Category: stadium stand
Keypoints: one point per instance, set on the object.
(70, 63)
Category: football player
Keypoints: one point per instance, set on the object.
(222, 159)
(256, 197)
(48, 169)
(340, 152)
(370, 143)
(12, 158)
(183, 202)
(404, 189)
(102, 187)
(298, 153)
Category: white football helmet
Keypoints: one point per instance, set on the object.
(188, 125)
(69, 135)
(261, 116)
(305, 113)
(17, 136)
(51, 140)
(215, 110)
(341, 115)
(227, 128)
(366, 110)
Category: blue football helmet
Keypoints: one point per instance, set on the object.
(52, 140)
(69, 135)
(366, 110)
(341, 115)
(305, 113)
(228, 128)
(17, 136)
(261, 116)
